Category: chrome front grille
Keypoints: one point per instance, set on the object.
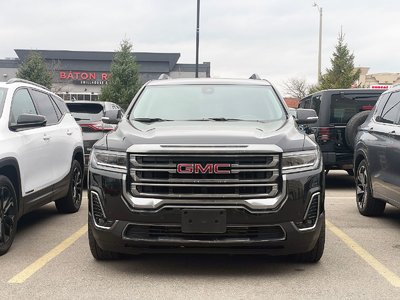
(251, 176)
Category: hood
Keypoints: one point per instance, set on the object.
(283, 134)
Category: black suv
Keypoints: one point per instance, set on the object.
(207, 165)
(377, 156)
(337, 122)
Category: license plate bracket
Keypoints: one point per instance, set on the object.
(203, 220)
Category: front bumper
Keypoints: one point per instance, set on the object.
(277, 232)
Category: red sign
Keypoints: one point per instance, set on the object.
(380, 87)
(76, 75)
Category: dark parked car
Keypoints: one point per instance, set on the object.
(207, 165)
(88, 114)
(377, 156)
(337, 124)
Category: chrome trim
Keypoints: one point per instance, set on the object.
(275, 175)
(317, 194)
(153, 202)
(244, 240)
(136, 164)
(265, 204)
(188, 149)
(203, 185)
(234, 171)
(272, 193)
(102, 210)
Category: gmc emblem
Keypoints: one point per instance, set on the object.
(206, 169)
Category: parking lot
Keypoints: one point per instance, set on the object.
(51, 258)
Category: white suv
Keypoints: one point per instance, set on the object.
(41, 155)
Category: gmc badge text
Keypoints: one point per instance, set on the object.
(207, 165)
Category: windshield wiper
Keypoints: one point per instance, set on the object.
(149, 120)
(217, 119)
(80, 119)
(221, 119)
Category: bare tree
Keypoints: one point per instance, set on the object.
(296, 87)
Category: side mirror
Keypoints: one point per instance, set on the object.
(29, 121)
(112, 116)
(306, 116)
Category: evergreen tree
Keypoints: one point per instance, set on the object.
(342, 73)
(124, 77)
(34, 69)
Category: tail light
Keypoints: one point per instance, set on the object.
(98, 126)
(367, 107)
(324, 134)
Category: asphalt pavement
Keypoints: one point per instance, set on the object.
(50, 258)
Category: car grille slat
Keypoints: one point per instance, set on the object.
(250, 176)
(155, 232)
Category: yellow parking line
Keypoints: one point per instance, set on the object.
(365, 255)
(42, 261)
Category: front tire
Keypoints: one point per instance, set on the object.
(367, 205)
(72, 202)
(97, 252)
(316, 253)
(8, 214)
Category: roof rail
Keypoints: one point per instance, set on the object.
(255, 76)
(394, 86)
(16, 80)
(164, 76)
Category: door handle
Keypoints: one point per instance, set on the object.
(46, 138)
(370, 129)
(392, 132)
(69, 132)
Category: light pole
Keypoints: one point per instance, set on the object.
(197, 38)
(320, 40)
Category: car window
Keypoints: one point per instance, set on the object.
(45, 107)
(197, 102)
(60, 104)
(305, 103)
(3, 93)
(381, 104)
(21, 104)
(390, 112)
(86, 111)
(57, 109)
(345, 106)
(316, 103)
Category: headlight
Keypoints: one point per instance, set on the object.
(293, 162)
(109, 160)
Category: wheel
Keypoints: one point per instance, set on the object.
(350, 172)
(366, 204)
(352, 127)
(97, 252)
(315, 254)
(8, 214)
(72, 202)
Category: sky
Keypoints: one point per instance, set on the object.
(277, 39)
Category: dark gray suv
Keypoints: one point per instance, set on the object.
(377, 156)
(207, 165)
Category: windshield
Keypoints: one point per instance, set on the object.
(86, 111)
(208, 102)
(3, 93)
